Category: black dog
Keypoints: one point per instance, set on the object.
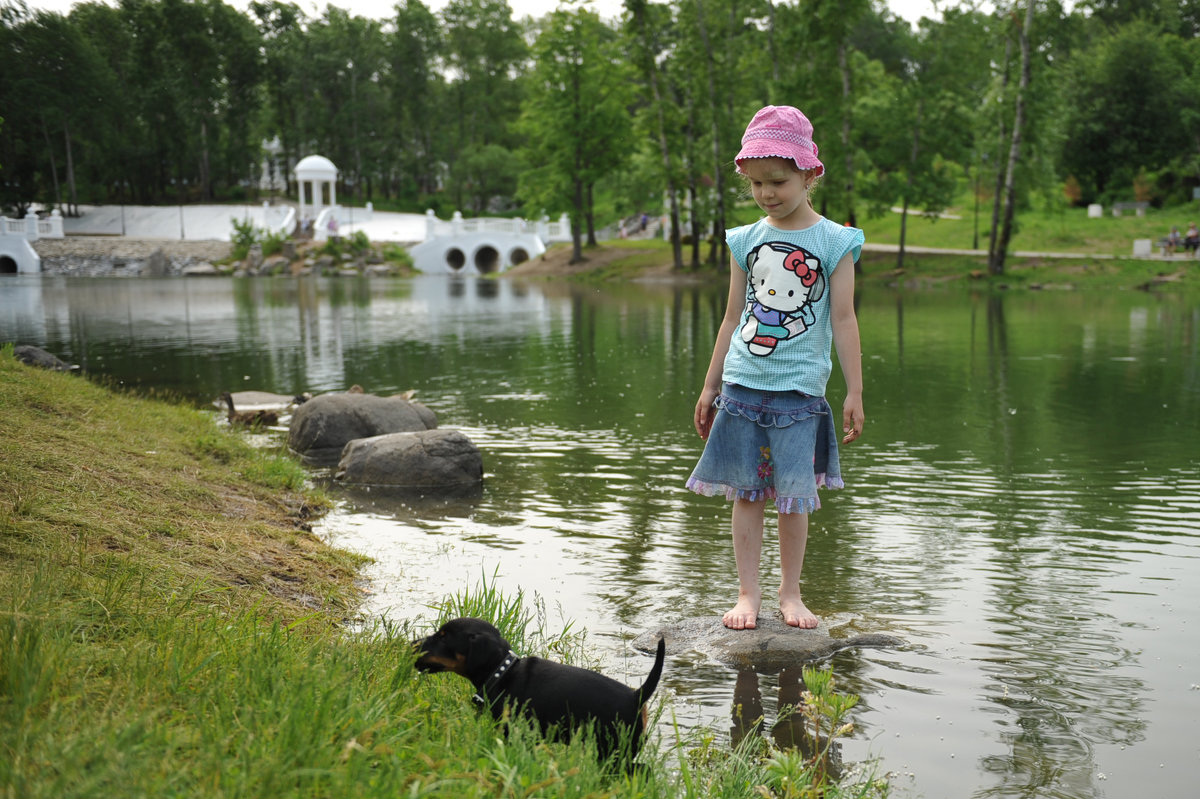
(558, 697)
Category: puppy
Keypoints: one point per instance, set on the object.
(558, 697)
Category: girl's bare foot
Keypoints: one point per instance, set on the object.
(744, 615)
(795, 613)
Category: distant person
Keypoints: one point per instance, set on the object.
(1173, 240)
(769, 432)
(1191, 241)
(333, 227)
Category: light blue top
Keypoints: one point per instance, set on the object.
(784, 338)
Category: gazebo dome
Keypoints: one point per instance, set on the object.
(316, 177)
(316, 167)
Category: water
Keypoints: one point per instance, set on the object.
(1022, 510)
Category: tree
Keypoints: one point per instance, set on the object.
(646, 43)
(485, 53)
(1130, 94)
(417, 91)
(575, 117)
(998, 249)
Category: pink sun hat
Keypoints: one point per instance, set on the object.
(783, 132)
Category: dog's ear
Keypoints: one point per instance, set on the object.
(480, 651)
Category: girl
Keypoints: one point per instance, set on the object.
(767, 428)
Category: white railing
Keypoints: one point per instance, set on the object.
(546, 230)
(347, 218)
(33, 227)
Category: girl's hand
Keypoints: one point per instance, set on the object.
(852, 418)
(705, 413)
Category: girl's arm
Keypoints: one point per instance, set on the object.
(849, 348)
(703, 416)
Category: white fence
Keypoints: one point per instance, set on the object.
(33, 227)
(545, 230)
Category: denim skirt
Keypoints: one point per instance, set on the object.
(778, 445)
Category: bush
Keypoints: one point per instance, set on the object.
(245, 236)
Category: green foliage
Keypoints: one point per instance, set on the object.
(471, 109)
(359, 243)
(245, 236)
(272, 242)
(397, 254)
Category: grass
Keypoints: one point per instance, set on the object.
(1104, 247)
(169, 627)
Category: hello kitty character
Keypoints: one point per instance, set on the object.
(785, 280)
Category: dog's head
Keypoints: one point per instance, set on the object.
(465, 646)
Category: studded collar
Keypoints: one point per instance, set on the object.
(494, 679)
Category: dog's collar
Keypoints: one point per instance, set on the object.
(489, 685)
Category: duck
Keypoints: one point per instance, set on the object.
(257, 418)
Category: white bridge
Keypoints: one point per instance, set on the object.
(16, 252)
(457, 247)
(485, 245)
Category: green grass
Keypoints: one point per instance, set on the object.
(1050, 230)
(169, 627)
(1103, 249)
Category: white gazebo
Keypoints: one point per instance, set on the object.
(313, 174)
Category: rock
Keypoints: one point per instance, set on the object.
(36, 356)
(321, 427)
(200, 270)
(157, 264)
(431, 460)
(771, 647)
(262, 400)
(275, 265)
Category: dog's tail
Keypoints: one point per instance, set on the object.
(647, 689)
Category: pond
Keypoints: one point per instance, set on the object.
(1023, 509)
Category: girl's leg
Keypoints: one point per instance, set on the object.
(793, 538)
(747, 551)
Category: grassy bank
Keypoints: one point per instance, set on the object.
(170, 627)
(1103, 247)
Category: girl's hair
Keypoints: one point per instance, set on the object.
(790, 165)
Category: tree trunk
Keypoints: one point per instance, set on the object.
(205, 178)
(844, 67)
(998, 196)
(664, 149)
(996, 262)
(908, 183)
(771, 53)
(72, 195)
(577, 224)
(715, 127)
(53, 162)
(590, 215)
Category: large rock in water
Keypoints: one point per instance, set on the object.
(431, 460)
(322, 427)
(36, 356)
(770, 647)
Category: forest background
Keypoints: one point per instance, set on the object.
(1017, 106)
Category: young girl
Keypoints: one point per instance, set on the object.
(768, 429)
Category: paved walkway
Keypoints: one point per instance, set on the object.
(1184, 257)
(215, 222)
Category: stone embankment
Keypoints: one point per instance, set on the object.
(95, 256)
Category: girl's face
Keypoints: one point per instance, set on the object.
(780, 190)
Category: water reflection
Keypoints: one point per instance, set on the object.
(1022, 509)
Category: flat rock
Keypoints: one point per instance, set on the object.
(432, 460)
(321, 427)
(36, 356)
(770, 647)
(259, 401)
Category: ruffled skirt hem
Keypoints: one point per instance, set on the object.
(782, 504)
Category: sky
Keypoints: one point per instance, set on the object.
(911, 10)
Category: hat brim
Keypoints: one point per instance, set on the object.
(766, 148)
